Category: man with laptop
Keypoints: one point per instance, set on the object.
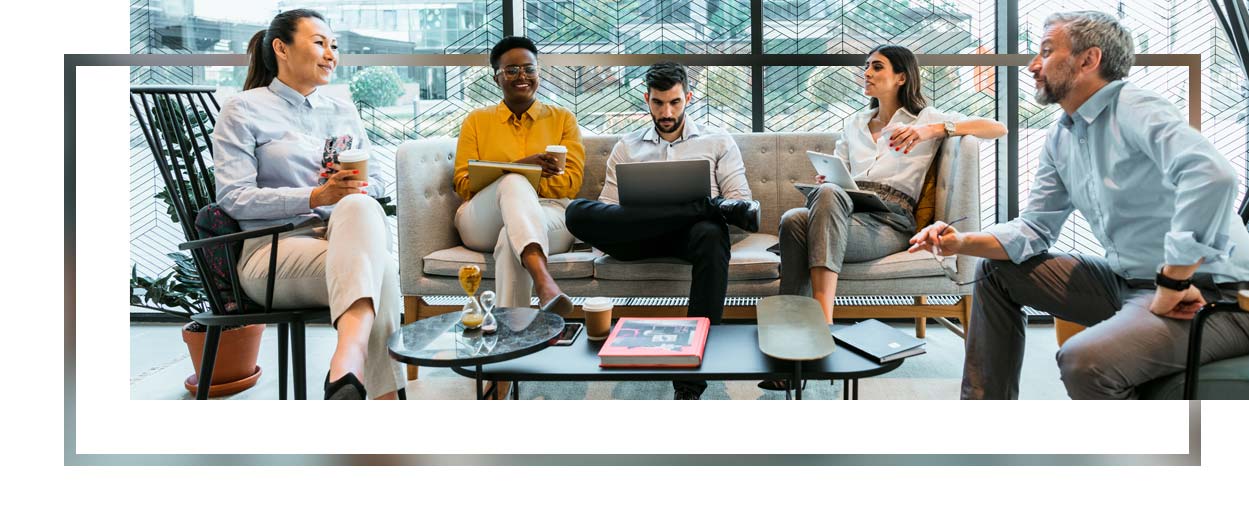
(672, 190)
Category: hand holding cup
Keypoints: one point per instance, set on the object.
(338, 184)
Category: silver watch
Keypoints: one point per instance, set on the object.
(949, 129)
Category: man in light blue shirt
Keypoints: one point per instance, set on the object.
(1157, 196)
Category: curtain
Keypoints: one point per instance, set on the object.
(1234, 18)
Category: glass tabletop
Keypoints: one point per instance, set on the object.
(441, 341)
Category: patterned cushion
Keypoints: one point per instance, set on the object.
(750, 260)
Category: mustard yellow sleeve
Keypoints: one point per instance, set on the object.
(465, 150)
(568, 184)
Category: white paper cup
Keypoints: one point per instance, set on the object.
(597, 317)
(355, 159)
(560, 153)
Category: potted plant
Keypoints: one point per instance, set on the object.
(180, 291)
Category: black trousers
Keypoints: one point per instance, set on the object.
(694, 232)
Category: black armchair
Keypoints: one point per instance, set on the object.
(177, 123)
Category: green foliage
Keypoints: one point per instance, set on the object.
(828, 85)
(179, 291)
(376, 86)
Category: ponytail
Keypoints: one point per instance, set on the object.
(262, 63)
(258, 73)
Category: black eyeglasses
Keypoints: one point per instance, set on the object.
(514, 71)
(949, 271)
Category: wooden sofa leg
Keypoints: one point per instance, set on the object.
(921, 323)
(504, 387)
(966, 318)
(411, 312)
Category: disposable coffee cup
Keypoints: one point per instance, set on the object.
(354, 159)
(597, 317)
(560, 153)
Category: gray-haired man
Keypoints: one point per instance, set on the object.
(1158, 197)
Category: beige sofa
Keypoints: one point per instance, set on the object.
(430, 252)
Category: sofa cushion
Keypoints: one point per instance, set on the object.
(897, 266)
(750, 260)
(447, 262)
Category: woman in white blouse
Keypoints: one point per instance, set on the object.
(275, 150)
(887, 149)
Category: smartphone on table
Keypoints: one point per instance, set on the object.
(568, 335)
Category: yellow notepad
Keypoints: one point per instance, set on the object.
(482, 172)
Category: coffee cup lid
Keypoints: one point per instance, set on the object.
(597, 304)
(557, 148)
(355, 155)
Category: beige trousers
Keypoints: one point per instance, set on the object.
(508, 216)
(336, 265)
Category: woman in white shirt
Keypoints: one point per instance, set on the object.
(887, 149)
(275, 150)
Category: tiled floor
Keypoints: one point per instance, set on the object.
(159, 364)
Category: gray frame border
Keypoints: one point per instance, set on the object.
(73, 458)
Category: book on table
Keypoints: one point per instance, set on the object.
(879, 341)
(482, 173)
(655, 342)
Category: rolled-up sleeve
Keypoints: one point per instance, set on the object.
(234, 166)
(610, 193)
(567, 184)
(731, 172)
(1038, 226)
(1204, 181)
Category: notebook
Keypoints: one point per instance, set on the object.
(879, 341)
(482, 173)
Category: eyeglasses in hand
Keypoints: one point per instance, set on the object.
(948, 270)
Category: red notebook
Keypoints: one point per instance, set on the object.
(669, 342)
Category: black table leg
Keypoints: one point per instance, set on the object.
(515, 390)
(855, 385)
(480, 395)
(845, 389)
(796, 383)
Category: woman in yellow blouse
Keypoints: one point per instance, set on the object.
(522, 226)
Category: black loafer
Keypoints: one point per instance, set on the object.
(741, 213)
(347, 387)
(778, 385)
(686, 394)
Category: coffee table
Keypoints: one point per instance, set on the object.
(441, 341)
(732, 353)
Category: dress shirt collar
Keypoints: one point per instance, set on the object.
(283, 91)
(688, 131)
(1094, 106)
(505, 114)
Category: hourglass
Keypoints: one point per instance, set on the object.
(488, 324)
(470, 280)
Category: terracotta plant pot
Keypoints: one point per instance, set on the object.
(237, 350)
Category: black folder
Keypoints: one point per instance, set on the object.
(879, 341)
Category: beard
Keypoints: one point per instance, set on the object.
(676, 125)
(1057, 87)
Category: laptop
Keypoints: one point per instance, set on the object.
(663, 183)
(834, 172)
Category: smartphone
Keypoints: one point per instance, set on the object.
(569, 334)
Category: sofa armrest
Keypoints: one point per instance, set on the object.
(958, 192)
(426, 205)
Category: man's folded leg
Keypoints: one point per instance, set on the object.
(1080, 289)
(598, 223)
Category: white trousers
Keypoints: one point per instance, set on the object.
(508, 216)
(336, 265)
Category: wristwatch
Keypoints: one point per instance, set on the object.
(949, 128)
(1178, 285)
